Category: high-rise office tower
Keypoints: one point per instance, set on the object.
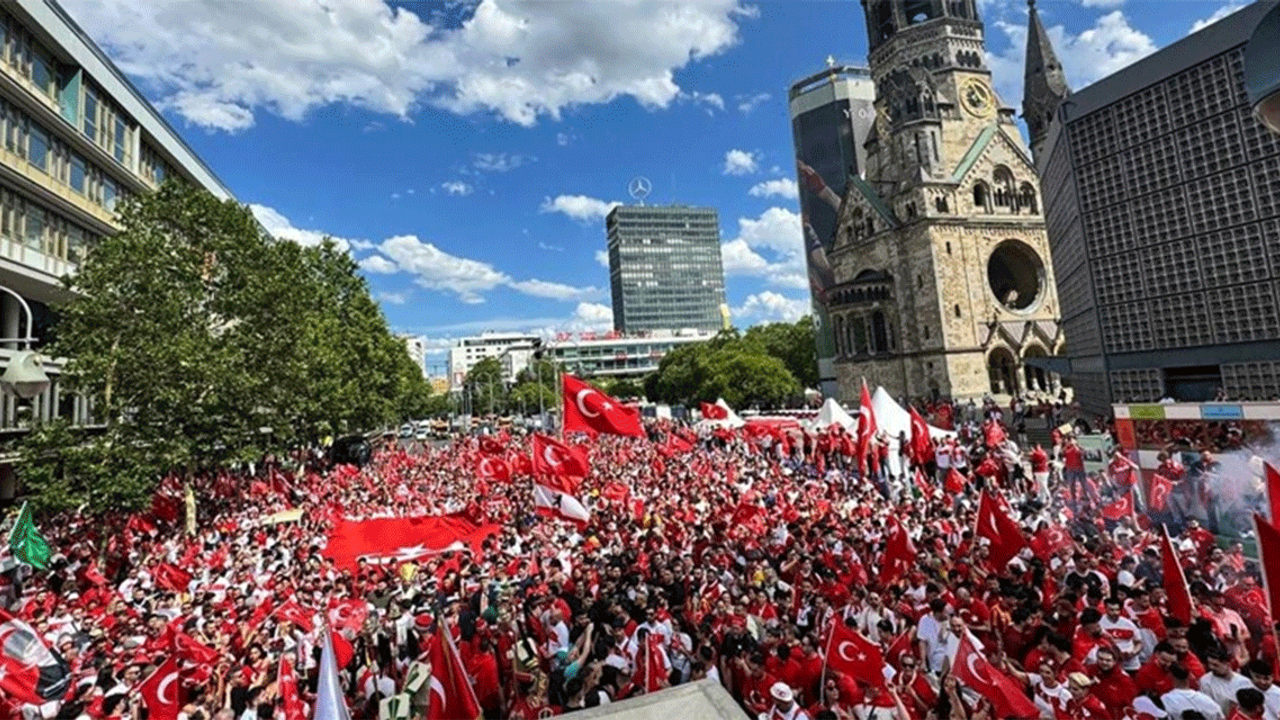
(831, 113)
(1162, 197)
(665, 269)
(940, 260)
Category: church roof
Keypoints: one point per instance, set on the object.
(873, 199)
(1043, 78)
(974, 152)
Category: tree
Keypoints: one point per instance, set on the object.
(203, 340)
(486, 385)
(537, 387)
(793, 344)
(735, 368)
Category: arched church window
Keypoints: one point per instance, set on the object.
(840, 347)
(859, 327)
(879, 332)
(1027, 197)
(980, 198)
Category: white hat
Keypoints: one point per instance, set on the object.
(781, 692)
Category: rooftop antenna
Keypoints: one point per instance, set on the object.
(639, 188)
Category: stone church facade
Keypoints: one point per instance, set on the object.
(941, 260)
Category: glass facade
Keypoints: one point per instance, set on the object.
(665, 269)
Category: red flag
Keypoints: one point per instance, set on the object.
(348, 614)
(162, 691)
(614, 491)
(552, 457)
(712, 412)
(491, 446)
(955, 482)
(1121, 508)
(296, 614)
(995, 525)
(921, 444)
(926, 490)
(656, 674)
(1175, 582)
(677, 444)
(993, 434)
(343, 653)
(1161, 486)
(973, 671)
(492, 468)
(859, 658)
(1273, 490)
(402, 538)
(287, 684)
(171, 577)
(899, 552)
(555, 497)
(1049, 540)
(29, 671)
(521, 464)
(192, 650)
(452, 696)
(866, 426)
(589, 410)
(1269, 555)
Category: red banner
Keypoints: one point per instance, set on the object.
(403, 538)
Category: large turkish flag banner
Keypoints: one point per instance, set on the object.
(403, 539)
(586, 409)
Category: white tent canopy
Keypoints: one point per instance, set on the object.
(731, 419)
(832, 414)
(892, 419)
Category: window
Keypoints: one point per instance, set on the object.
(33, 236)
(957, 310)
(42, 73)
(120, 136)
(980, 197)
(76, 180)
(90, 124)
(880, 332)
(38, 148)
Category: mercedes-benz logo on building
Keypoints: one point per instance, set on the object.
(639, 188)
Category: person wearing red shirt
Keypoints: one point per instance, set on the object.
(1084, 705)
(1112, 685)
(1153, 677)
(1089, 637)
(1251, 704)
(1073, 474)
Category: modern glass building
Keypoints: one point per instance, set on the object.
(665, 269)
(1162, 197)
(831, 114)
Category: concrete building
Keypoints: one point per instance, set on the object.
(470, 350)
(631, 356)
(940, 264)
(77, 138)
(417, 349)
(665, 269)
(831, 115)
(1162, 196)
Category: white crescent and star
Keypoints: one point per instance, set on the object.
(437, 688)
(551, 453)
(161, 689)
(840, 650)
(973, 656)
(582, 408)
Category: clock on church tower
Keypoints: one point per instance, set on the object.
(944, 285)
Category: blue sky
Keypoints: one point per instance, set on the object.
(466, 151)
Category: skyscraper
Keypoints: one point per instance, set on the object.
(665, 269)
(942, 284)
(1162, 197)
(831, 114)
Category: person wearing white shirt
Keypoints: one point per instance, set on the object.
(932, 634)
(1259, 672)
(1182, 698)
(1126, 634)
(1221, 682)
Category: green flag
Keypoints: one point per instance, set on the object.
(26, 542)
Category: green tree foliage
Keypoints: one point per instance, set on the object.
(737, 368)
(203, 340)
(537, 387)
(793, 344)
(485, 386)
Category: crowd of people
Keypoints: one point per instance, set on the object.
(709, 553)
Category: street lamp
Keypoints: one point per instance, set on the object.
(25, 376)
(1262, 70)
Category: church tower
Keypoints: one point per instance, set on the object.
(943, 285)
(1044, 84)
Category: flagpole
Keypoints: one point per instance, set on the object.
(1266, 586)
(822, 682)
(14, 528)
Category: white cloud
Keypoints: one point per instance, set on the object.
(1111, 44)
(741, 162)
(1217, 15)
(457, 187)
(712, 101)
(779, 187)
(563, 139)
(548, 246)
(769, 306)
(279, 227)
(747, 103)
(592, 316)
(500, 162)
(218, 64)
(579, 207)
(379, 265)
(555, 291)
(393, 298)
(1102, 3)
(770, 246)
(602, 257)
(436, 269)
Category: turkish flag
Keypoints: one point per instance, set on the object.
(192, 650)
(552, 457)
(859, 658)
(973, 671)
(866, 426)
(343, 653)
(1269, 554)
(994, 434)
(926, 490)
(287, 684)
(162, 691)
(1161, 486)
(491, 446)
(677, 444)
(1121, 508)
(492, 468)
(656, 674)
(452, 696)
(1273, 490)
(955, 482)
(995, 525)
(712, 412)
(171, 577)
(29, 671)
(1049, 540)
(614, 491)
(899, 552)
(296, 614)
(521, 464)
(586, 409)
(348, 614)
(403, 538)
(921, 444)
(1175, 582)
